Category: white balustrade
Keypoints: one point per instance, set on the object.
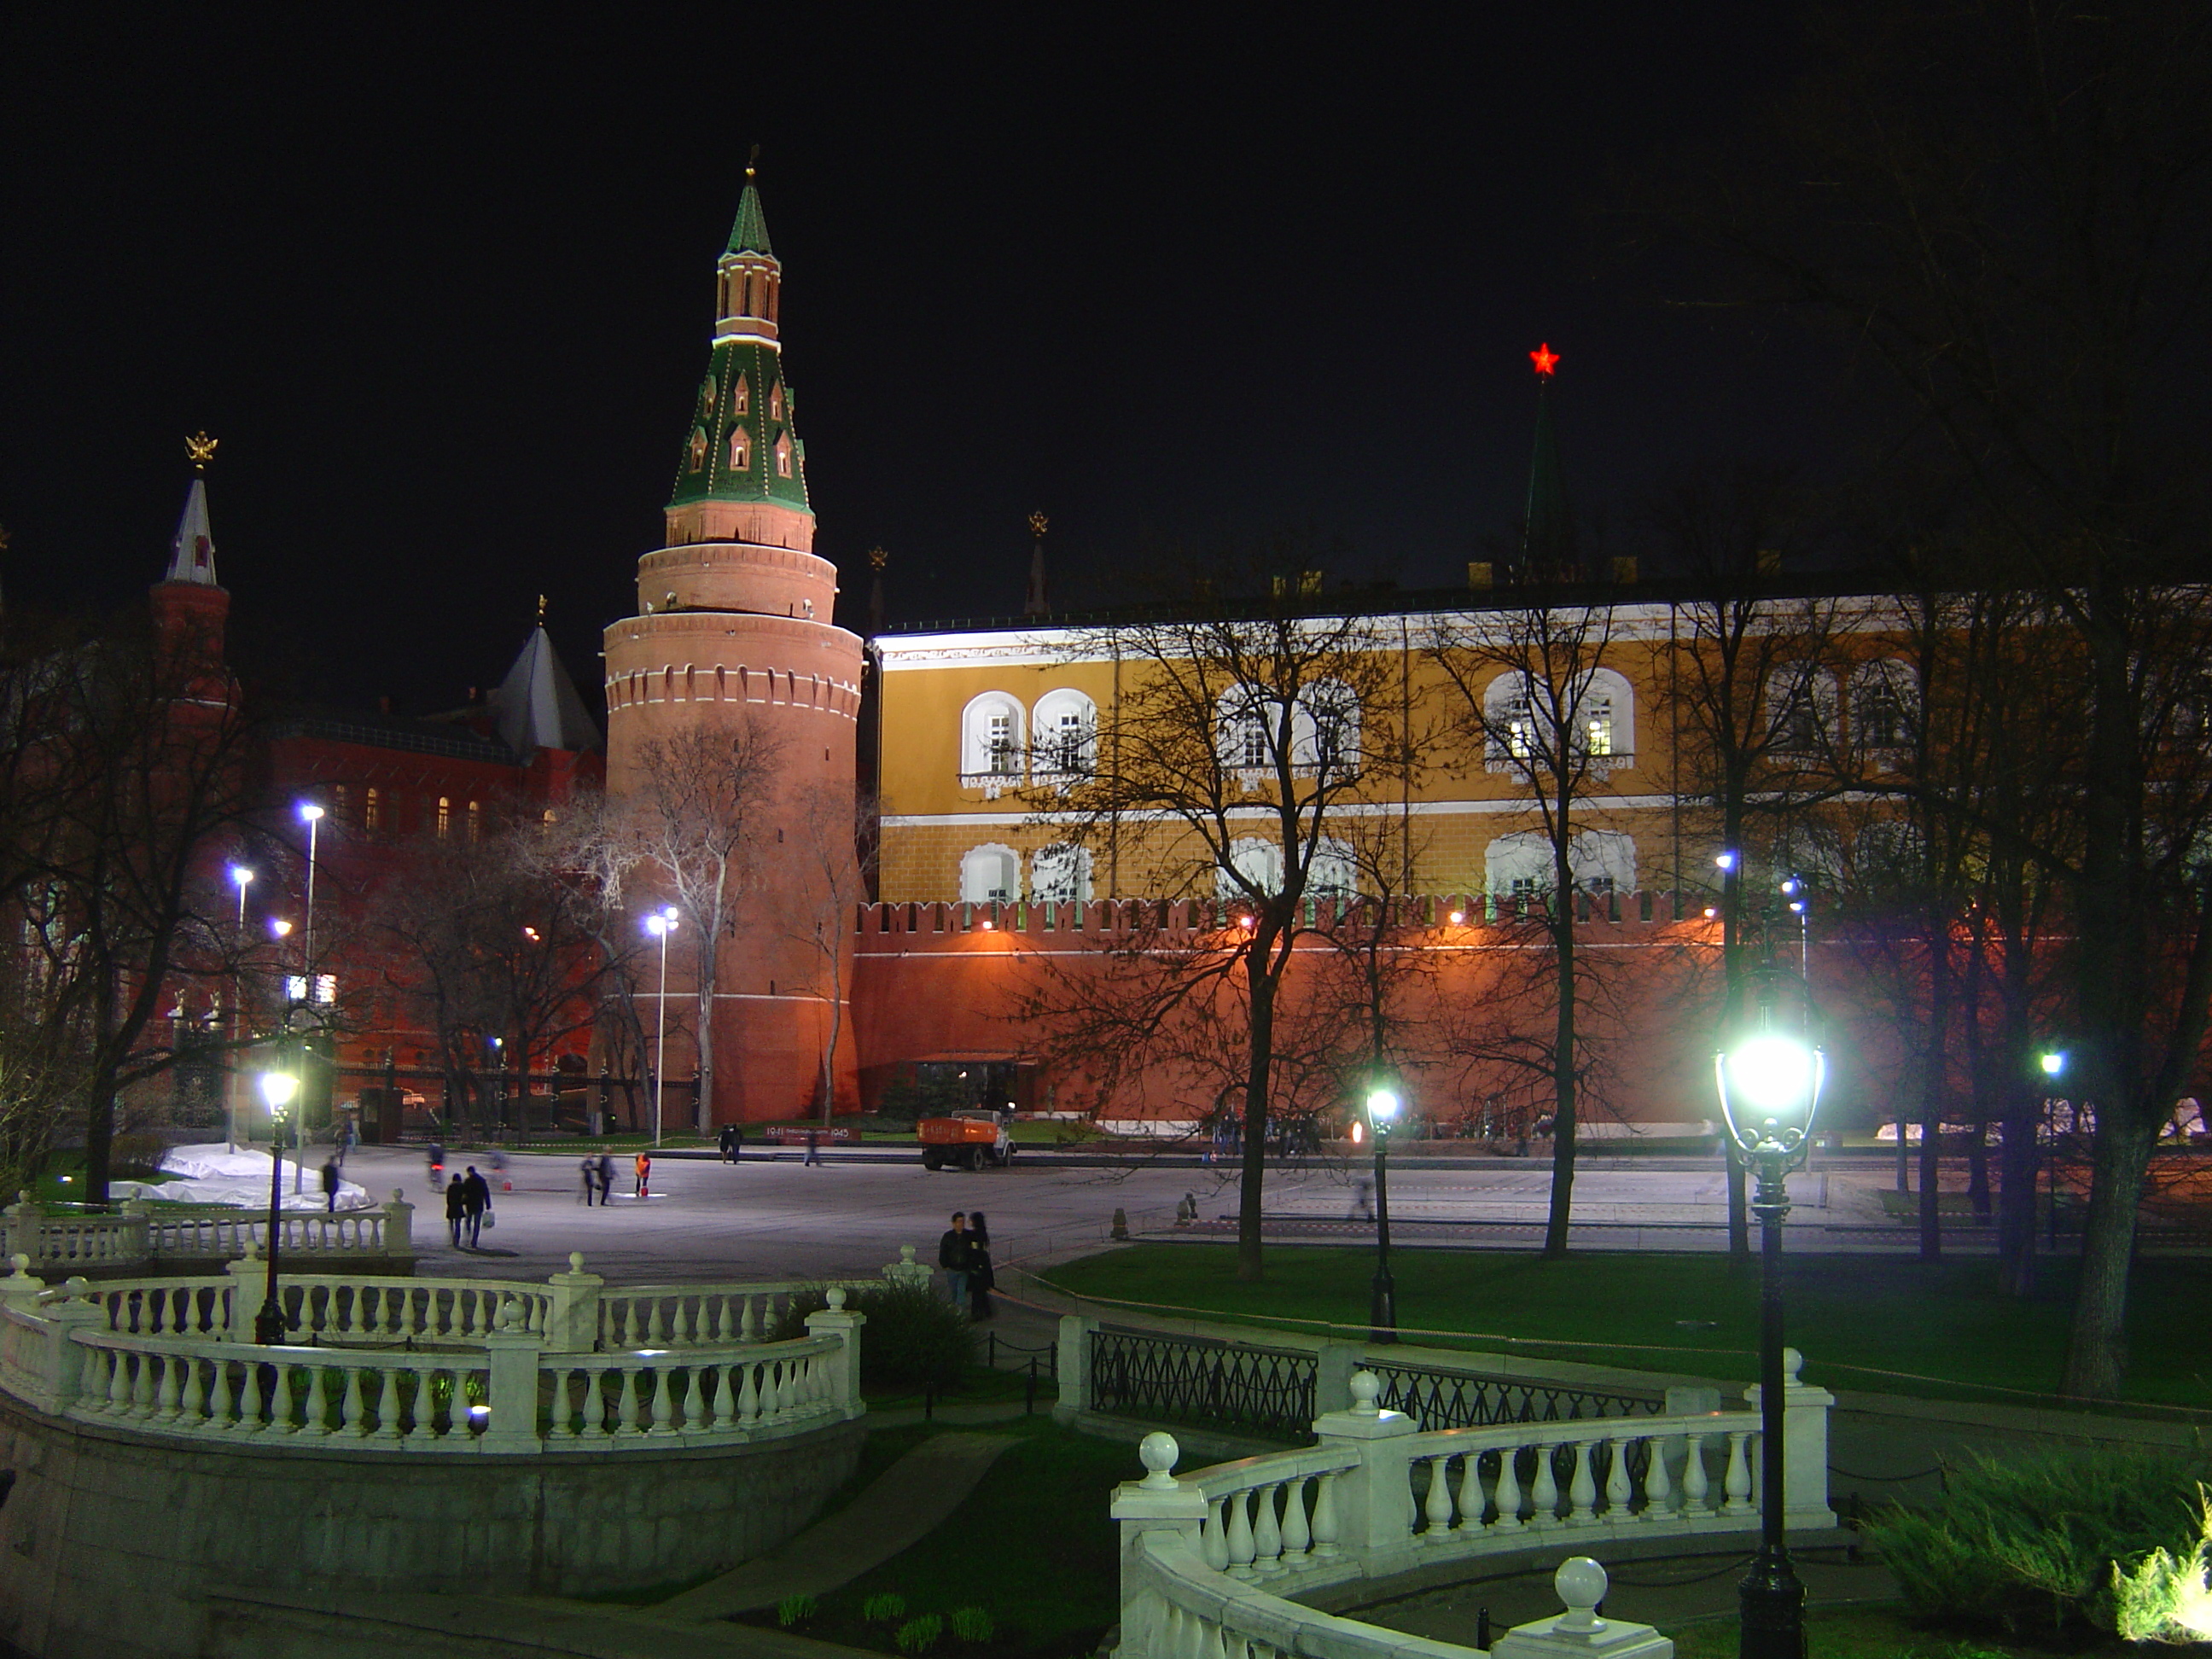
(700, 1315)
(698, 1395)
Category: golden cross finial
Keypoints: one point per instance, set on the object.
(541, 610)
(1036, 525)
(752, 162)
(199, 450)
(877, 558)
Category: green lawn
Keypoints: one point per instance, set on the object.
(1032, 1547)
(1854, 1317)
(1876, 1633)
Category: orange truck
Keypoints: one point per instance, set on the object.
(965, 1140)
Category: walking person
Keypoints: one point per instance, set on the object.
(813, 1148)
(607, 1169)
(437, 1165)
(590, 1169)
(644, 1174)
(476, 1200)
(952, 1256)
(457, 1209)
(979, 1280)
(330, 1186)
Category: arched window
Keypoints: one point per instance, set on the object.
(475, 820)
(372, 811)
(1801, 708)
(1060, 874)
(1325, 735)
(1598, 861)
(741, 449)
(696, 449)
(1508, 723)
(1604, 716)
(1518, 865)
(775, 403)
(341, 805)
(783, 454)
(445, 818)
(1333, 872)
(991, 737)
(1885, 707)
(1603, 861)
(990, 873)
(741, 395)
(707, 390)
(1066, 734)
(1259, 862)
(1247, 716)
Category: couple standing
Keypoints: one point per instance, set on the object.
(964, 1252)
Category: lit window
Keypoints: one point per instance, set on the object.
(741, 396)
(989, 874)
(372, 812)
(1060, 875)
(775, 404)
(695, 450)
(475, 820)
(1597, 726)
(999, 740)
(707, 395)
(1520, 726)
(340, 806)
(741, 449)
(783, 455)
(445, 818)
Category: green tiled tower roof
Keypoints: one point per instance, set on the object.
(750, 233)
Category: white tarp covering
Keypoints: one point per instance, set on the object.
(213, 1174)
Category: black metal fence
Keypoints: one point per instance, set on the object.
(1182, 1379)
(1457, 1399)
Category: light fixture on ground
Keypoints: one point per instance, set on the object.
(1382, 1104)
(277, 1089)
(1770, 1086)
(660, 924)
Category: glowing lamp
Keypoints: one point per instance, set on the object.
(1245, 922)
(1791, 887)
(1724, 860)
(1770, 1088)
(277, 1089)
(2054, 1062)
(989, 926)
(279, 927)
(660, 924)
(309, 812)
(241, 875)
(1359, 1134)
(1383, 1105)
(1457, 917)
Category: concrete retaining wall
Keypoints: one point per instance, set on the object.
(109, 1543)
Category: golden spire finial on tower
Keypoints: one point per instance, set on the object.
(541, 610)
(752, 163)
(1037, 525)
(199, 450)
(878, 559)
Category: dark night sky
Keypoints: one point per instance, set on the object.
(442, 288)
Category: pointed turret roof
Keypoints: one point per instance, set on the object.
(538, 706)
(191, 555)
(750, 233)
(1549, 547)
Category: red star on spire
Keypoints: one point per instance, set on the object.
(1546, 360)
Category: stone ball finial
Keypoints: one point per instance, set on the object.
(575, 1262)
(1792, 1363)
(906, 1255)
(399, 1194)
(1159, 1453)
(1581, 1584)
(22, 1264)
(836, 1297)
(1365, 1387)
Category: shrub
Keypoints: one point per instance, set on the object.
(919, 1635)
(2029, 1544)
(795, 1610)
(972, 1625)
(883, 1609)
(2166, 1597)
(136, 1157)
(914, 1339)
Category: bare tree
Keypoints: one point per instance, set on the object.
(1533, 698)
(1248, 726)
(694, 824)
(835, 850)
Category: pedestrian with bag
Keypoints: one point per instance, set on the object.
(475, 1202)
(330, 1186)
(979, 1278)
(606, 1168)
(457, 1209)
(952, 1256)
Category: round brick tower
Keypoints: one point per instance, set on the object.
(733, 631)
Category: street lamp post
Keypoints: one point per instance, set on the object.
(660, 924)
(277, 1089)
(1383, 1105)
(1801, 906)
(1770, 1087)
(312, 816)
(2054, 1066)
(241, 877)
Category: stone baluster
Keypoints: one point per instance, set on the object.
(165, 1396)
(1619, 1493)
(1581, 1489)
(626, 1403)
(656, 1335)
(1737, 1482)
(1544, 1494)
(1438, 1509)
(349, 1405)
(281, 1401)
(1297, 1532)
(1658, 1488)
(386, 1432)
(1472, 1502)
(1240, 1535)
(749, 1328)
(318, 1404)
(1695, 1504)
(1267, 1532)
(220, 1399)
(192, 1404)
(1508, 1496)
(1212, 1539)
(596, 1425)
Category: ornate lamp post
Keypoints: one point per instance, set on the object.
(312, 816)
(2053, 1061)
(277, 1089)
(660, 924)
(242, 878)
(1770, 1087)
(1383, 1105)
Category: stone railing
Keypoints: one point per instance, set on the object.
(1213, 1556)
(391, 1364)
(139, 1233)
